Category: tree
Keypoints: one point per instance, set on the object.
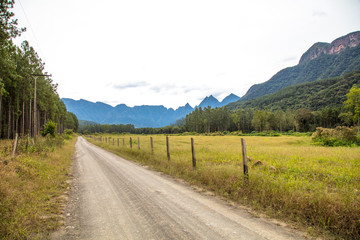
(353, 103)
(303, 118)
(259, 121)
(235, 118)
(18, 65)
(71, 122)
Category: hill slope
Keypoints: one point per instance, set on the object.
(321, 61)
(314, 95)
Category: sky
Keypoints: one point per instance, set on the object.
(173, 52)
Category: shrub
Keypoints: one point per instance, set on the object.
(69, 131)
(50, 128)
(339, 136)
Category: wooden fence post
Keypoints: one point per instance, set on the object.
(152, 145)
(113, 141)
(193, 153)
(118, 142)
(245, 162)
(123, 141)
(138, 143)
(130, 142)
(167, 148)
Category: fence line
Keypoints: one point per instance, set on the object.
(243, 146)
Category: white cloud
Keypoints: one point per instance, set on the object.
(173, 52)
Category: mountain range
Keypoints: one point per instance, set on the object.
(318, 95)
(313, 83)
(320, 61)
(139, 116)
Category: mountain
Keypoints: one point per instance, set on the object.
(313, 95)
(213, 102)
(336, 47)
(321, 61)
(139, 116)
(229, 99)
(209, 101)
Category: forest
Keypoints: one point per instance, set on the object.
(325, 103)
(28, 96)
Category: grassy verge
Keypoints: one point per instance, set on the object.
(31, 189)
(290, 178)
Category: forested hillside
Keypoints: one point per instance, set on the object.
(322, 67)
(28, 97)
(315, 96)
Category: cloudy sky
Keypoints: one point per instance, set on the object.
(173, 52)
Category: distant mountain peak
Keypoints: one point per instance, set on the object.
(229, 99)
(335, 47)
(209, 101)
(187, 105)
(140, 116)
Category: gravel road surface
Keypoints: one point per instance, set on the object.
(112, 198)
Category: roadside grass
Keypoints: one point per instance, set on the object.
(289, 177)
(32, 189)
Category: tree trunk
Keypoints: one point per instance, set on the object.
(0, 115)
(16, 125)
(30, 113)
(9, 121)
(23, 114)
(35, 111)
(38, 122)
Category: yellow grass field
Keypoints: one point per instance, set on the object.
(32, 190)
(289, 176)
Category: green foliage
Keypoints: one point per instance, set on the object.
(209, 120)
(50, 128)
(340, 136)
(68, 134)
(71, 122)
(18, 65)
(315, 96)
(325, 66)
(353, 103)
(304, 118)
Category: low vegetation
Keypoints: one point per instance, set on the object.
(32, 186)
(339, 136)
(290, 177)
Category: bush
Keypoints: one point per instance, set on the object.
(339, 136)
(50, 128)
(68, 131)
(68, 134)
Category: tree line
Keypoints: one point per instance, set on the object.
(251, 119)
(28, 96)
(209, 120)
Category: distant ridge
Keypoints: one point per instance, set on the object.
(213, 102)
(139, 116)
(320, 61)
(335, 47)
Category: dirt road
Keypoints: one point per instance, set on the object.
(113, 198)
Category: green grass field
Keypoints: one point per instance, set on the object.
(291, 179)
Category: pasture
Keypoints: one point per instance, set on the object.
(289, 177)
